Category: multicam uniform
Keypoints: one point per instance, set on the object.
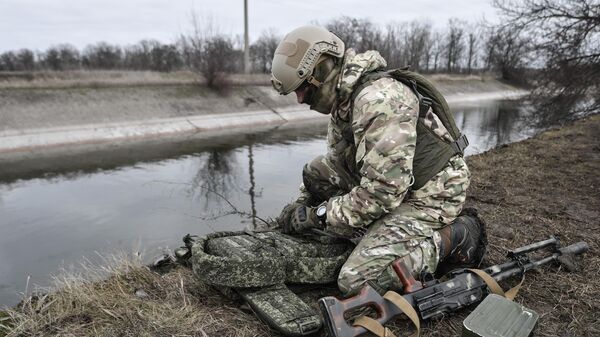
(366, 177)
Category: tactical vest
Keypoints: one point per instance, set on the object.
(432, 152)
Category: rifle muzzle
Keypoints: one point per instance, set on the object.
(575, 249)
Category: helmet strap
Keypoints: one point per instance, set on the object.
(312, 80)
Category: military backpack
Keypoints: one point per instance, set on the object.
(432, 152)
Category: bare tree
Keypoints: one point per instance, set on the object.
(209, 52)
(393, 45)
(51, 59)
(360, 34)
(472, 47)
(164, 57)
(455, 44)
(102, 56)
(567, 35)
(138, 56)
(61, 57)
(417, 39)
(507, 49)
(437, 48)
(8, 61)
(371, 36)
(263, 49)
(25, 60)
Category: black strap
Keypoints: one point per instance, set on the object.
(424, 102)
(460, 144)
(424, 105)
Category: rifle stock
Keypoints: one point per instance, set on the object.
(333, 310)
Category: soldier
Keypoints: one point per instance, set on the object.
(369, 178)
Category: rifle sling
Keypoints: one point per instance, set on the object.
(402, 304)
(373, 326)
(406, 308)
(495, 287)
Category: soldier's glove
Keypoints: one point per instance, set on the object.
(287, 213)
(303, 219)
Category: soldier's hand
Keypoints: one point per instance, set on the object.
(305, 218)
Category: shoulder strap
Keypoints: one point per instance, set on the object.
(425, 88)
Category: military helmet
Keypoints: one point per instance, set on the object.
(297, 55)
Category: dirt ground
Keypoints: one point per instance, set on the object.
(527, 191)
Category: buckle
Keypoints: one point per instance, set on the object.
(308, 325)
(460, 144)
(426, 101)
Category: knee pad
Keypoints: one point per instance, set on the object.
(345, 285)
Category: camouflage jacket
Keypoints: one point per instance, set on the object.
(374, 139)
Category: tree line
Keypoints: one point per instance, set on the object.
(551, 45)
(145, 55)
(457, 48)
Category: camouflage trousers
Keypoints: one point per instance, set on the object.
(409, 232)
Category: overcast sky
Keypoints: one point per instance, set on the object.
(38, 24)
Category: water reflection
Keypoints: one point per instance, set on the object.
(149, 198)
(216, 177)
(252, 189)
(493, 124)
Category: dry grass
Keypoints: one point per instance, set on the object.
(526, 191)
(120, 78)
(114, 78)
(171, 304)
(539, 187)
(91, 79)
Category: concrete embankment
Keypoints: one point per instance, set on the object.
(87, 112)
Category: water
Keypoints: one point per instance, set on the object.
(55, 221)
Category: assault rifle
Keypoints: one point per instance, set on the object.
(432, 298)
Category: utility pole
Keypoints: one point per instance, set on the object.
(246, 42)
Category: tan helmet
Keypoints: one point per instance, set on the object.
(297, 54)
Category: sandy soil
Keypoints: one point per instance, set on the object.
(525, 191)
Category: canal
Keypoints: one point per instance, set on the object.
(55, 220)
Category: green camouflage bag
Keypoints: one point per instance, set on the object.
(256, 266)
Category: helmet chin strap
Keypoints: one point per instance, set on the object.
(314, 81)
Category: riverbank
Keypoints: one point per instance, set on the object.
(62, 122)
(525, 191)
(103, 109)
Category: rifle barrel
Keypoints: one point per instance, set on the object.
(551, 242)
(518, 270)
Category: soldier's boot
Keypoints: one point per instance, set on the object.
(463, 243)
